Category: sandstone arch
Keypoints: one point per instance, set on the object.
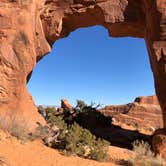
(29, 27)
(137, 18)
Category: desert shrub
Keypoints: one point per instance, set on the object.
(81, 113)
(50, 114)
(59, 121)
(40, 107)
(92, 119)
(77, 139)
(97, 153)
(74, 139)
(19, 131)
(144, 156)
(81, 142)
(80, 105)
(15, 127)
(40, 132)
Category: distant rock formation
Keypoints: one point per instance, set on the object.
(143, 115)
(147, 100)
(65, 104)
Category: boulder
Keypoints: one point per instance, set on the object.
(65, 104)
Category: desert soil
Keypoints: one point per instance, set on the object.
(37, 154)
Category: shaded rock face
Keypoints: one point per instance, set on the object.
(143, 117)
(159, 142)
(29, 27)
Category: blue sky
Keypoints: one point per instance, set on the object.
(94, 67)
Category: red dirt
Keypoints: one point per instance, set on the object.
(37, 154)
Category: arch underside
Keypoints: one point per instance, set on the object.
(135, 18)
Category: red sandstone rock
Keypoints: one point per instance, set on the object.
(144, 115)
(26, 28)
(159, 142)
(147, 100)
(66, 105)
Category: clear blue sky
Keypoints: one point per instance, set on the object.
(92, 66)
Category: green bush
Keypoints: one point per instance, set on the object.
(51, 117)
(41, 132)
(74, 139)
(40, 107)
(143, 156)
(81, 142)
(97, 153)
(78, 139)
(58, 121)
(80, 105)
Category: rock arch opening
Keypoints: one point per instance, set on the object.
(90, 65)
(121, 18)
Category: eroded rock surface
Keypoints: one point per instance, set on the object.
(29, 27)
(22, 41)
(143, 115)
(159, 142)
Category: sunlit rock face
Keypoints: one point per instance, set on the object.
(22, 41)
(29, 27)
(143, 115)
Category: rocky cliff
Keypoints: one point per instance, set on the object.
(143, 115)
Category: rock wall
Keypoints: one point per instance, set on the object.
(29, 27)
(22, 41)
(143, 115)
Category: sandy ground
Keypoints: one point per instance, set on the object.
(36, 154)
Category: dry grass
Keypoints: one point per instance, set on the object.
(15, 126)
(144, 156)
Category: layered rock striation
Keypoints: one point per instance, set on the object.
(143, 115)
